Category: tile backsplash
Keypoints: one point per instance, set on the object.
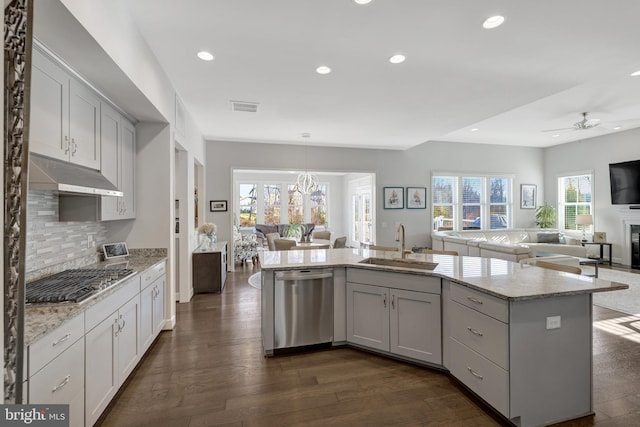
(51, 242)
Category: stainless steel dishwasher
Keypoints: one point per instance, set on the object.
(303, 307)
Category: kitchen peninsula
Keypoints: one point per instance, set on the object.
(517, 336)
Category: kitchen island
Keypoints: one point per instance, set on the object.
(517, 336)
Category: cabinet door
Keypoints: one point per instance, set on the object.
(101, 367)
(128, 167)
(84, 116)
(415, 325)
(49, 115)
(110, 147)
(158, 306)
(146, 317)
(128, 338)
(368, 316)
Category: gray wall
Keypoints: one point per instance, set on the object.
(594, 155)
(411, 167)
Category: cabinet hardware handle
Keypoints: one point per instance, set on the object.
(474, 331)
(61, 340)
(384, 299)
(62, 384)
(117, 326)
(124, 322)
(393, 301)
(477, 301)
(475, 374)
(66, 144)
(75, 146)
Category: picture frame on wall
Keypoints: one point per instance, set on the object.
(393, 197)
(416, 197)
(599, 237)
(217, 205)
(528, 195)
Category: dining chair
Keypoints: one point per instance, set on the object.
(383, 248)
(437, 252)
(559, 267)
(284, 244)
(270, 238)
(323, 235)
(340, 242)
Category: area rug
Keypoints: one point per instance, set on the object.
(255, 281)
(627, 300)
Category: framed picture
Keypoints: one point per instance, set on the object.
(416, 198)
(218, 205)
(599, 237)
(393, 197)
(528, 196)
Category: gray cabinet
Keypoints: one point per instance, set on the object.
(209, 269)
(151, 305)
(395, 313)
(65, 115)
(118, 147)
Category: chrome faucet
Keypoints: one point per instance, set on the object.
(402, 249)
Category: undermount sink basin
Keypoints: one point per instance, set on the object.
(404, 263)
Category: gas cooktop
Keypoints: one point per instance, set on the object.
(74, 285)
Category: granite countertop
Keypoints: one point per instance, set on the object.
(42, 318)
(500, 278)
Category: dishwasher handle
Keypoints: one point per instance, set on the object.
(304, 274)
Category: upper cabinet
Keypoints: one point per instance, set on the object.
(64, 115)
(118, 146)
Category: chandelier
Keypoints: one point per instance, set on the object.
(306, 183)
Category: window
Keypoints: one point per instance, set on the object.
(574, 198)
(471, 202)
(262, 203)
(248, 205)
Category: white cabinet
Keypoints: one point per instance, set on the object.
(56, 369)
(152, 305)
(402, 318)
(112, 347)
(118, 147)
(64, 115)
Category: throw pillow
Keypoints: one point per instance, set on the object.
(548, 237)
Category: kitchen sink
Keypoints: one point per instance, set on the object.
(404, 263)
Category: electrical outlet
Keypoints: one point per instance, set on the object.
(553, 322)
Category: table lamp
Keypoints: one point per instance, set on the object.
(584, 220)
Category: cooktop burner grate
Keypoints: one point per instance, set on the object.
(73, 285)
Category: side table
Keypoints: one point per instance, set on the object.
(602, 245)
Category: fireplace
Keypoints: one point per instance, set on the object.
(635, 245)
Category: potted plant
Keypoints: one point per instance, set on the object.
(545, 216)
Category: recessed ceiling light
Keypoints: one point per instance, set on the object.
(617, 128)
(635, 74)
(323, 69)
(305, 135)
(493, 22)
(397, 59)
(474, 129)
(555, 135)
(362, 1)
(205, 56)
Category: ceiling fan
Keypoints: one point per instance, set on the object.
(583, 124)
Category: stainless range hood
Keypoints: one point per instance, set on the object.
(65, 177)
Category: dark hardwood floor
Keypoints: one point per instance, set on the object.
(210, 371)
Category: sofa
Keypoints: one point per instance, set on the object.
(284, 230)
(510, 244)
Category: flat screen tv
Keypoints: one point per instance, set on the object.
(625, 182)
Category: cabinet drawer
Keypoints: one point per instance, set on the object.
(482, 333)
(62, 382)
(55, 342)
(151, 274)
(484, 303)
(408, 282)
(482, 376)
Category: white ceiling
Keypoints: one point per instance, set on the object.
(549, 62)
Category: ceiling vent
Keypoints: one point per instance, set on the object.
(244, 106)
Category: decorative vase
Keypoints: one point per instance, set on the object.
(212, 239)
